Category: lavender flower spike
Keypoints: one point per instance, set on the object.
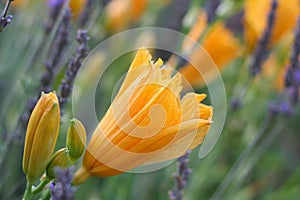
(293, 74)
(60, 45)
(55, 7)
(260, 52)
(55, 3)
(5, 20)
(66, 86)
(292, 77)
(292, 81)
(62, 188)
(84, 17)
(181, 178)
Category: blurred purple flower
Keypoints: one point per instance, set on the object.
(4, 21)
(211, 8)
(181, 178)
(261, 49)
(62, 189)
(297, 77)
(75, 62)
(55, 3)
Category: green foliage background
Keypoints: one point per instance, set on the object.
(268, 172)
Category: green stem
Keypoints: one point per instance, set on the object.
(46, 195)
(28, 194)
(41, 186)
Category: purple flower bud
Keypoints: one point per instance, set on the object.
(261, 49)
(285, 108)
(62, 188)
(297, 77)
(181, 178)
(4, 21)
(235, 104)
(55, 3)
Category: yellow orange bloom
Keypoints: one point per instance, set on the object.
(17, 3)
(147, 122)
(255, 19)
(77, 6)
(122, 13)
(41, 136)
(219, 43)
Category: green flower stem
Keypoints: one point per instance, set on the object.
(46, 195)
(28, 193)
(41, 186)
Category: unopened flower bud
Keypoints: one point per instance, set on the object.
(41, 136)
(76, 139)
(60, 159)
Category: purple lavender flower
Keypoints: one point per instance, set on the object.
(235, 104)
(4, 19)
(66, 86)
(292, 81)
(283, 108)
(60, 45)
(292, 77)
(235, 22)
(211, 8)
(84, 17)
(297, 76)
(260, 52)
(296, 48)
(55, 3)
(62, 189)
(181, 178)
(55, 7)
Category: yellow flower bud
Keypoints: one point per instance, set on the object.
(76, 139)
(41, 136)
(61, 158)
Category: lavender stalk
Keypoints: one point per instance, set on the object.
(60, 45)
(292, 77)
(211, 8)
(62, 189)
(5, 19)
(260, 52)
(85, 15)
(66, 86)
(292, 81)
(55, 7)
(181, 178)
(53, 62)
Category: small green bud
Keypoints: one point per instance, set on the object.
(76, 139)
(61, 159)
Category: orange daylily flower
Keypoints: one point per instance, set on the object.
(255, 19)
(219, 43)
(122, 13)
(147, 122)
(77, 6)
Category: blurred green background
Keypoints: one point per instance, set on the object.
(253, 159)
